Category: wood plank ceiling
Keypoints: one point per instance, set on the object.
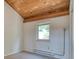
(32, 10)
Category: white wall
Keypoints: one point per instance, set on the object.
(30, 34)
(71, 30)
(13, 31)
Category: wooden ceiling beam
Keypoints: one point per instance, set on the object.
(43, 17)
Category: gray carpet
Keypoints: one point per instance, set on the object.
(24, 55)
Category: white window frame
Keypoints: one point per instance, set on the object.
(37, 32)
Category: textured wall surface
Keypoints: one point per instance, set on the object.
(13, 31)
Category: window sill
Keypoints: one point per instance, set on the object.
(42, 40)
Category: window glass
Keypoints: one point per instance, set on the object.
(43, 32)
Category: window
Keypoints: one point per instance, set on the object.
(43, 32)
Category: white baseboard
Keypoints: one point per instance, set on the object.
(11, 53)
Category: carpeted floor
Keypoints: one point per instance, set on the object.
(24, 55)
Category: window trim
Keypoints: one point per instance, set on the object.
(37, 32)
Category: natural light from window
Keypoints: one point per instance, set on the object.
(43, 32)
